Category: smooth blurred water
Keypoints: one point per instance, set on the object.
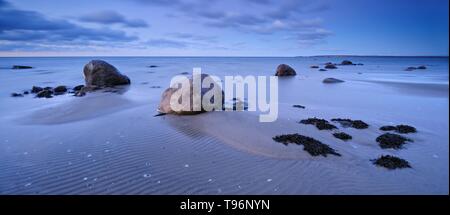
(103, 149)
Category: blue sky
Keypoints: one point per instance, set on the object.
(223, 28)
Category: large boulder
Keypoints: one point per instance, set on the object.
(165, 105)
(285, 70)
(99, 74)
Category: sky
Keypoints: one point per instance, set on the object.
(224, 27)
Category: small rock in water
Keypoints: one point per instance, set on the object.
(402, 129)
(347, 62)
(155, 87)
(332, 81)
(422, 67)
(299, 106)
(342, 136)
(330, 66)
(184, 73)
(411, 68)
(320, 124)
(393, 141)
(152, 66)
(21, 67)
(45, 94)
(78, 88)
(391, 162)
(59, 90)
(311, 145)
(26, 92)
(314, 67)
(36, 89)
(16, 95)
(322, 70)
(358, 124)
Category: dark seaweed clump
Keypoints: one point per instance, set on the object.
(299, 106)
(320, 124)
(311, 145)
(358, 124)
(342, 136)
(391, 162)
(403, 129)
(393, 141)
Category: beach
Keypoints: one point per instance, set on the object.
(112, 143)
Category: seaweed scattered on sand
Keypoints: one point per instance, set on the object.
(391, 162)
(342, 136)
(402, 129)
(393, 141)
(358, 124)
(311, 145)
(320, 124)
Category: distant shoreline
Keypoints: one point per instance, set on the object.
(320, 56)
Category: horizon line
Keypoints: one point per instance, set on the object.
(237, 56)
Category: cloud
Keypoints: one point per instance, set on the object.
(265, 17)
(112, 17)
(193, 37)
(166, 43)
(22, 26)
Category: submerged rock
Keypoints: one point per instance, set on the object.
(21, 67)
(45, 94)
(393, 141)
(152, 66)
(391, 162)
(59, 90)
(36, 89)
(16, 95)
(314, 67)
(78, 88)
(311, 145)
(403, 129)
(320, 124)
(98, 73)
(187, 108)
(332, 81)
(330, 66)
(347, 62)
(358, 124)
(422, 67)
(342, 136)
(411, 68)
(285, 70)
(322, 70)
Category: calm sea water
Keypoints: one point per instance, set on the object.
(112, 144)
